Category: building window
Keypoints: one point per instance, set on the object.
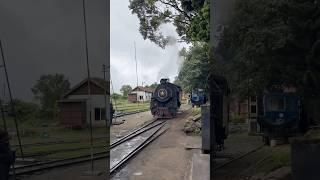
(253, 109)
(99, 114)
(141, 97)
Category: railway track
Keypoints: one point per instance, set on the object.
(238, 157)
(119, 114)
(148, 132)
(121, 153)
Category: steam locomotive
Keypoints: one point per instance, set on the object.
(166, 100)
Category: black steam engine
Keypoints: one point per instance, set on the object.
(165, 100)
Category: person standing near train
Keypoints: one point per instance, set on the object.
(7, 157)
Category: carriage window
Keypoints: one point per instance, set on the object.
(291, 104)
(275, 103)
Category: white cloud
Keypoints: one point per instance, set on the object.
(153, 62)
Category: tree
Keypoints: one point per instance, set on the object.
(24, 110)
(154, 85)
(271, 43)
(191, 19)
(49, 89)
(195, 68)
(125, 90)
(116, 96)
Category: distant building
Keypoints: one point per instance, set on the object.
(74, 108)
(140, 94)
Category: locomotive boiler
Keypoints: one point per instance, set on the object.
(166, 100)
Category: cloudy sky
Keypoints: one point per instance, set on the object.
(47, 36)
(153, 62)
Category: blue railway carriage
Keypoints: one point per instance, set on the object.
(198, 97)
(282, 115)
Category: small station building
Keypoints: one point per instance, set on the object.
(140, 94)
(74, 110)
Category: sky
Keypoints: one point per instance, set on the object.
(47, 36)
(154, 62)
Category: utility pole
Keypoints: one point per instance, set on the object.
(3, 117)
(11, 99)
(105, 95)
(135, 58)
(89, 83)
(115, 102)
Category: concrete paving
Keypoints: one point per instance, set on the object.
(200, 166)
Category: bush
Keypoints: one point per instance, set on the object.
(237, 119)
(24, 110)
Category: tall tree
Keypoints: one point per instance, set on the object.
(154, 85)
(195, 68)
(48, 89)
(125, 90)
(271, 43)
(190, 17)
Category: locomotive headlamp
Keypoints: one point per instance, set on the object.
(162, 93)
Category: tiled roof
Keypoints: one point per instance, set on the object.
(145, 89)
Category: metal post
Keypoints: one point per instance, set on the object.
(11, 100)
(89, 88)
(105, 95)
(3, 117)
(115, 102)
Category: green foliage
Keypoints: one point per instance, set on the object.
(154, 85)
(271, 43)
(116, 96)
(191, 19)
(195, 68)
(49, 89)
(125, 90)
(24, 110)
(238, 119)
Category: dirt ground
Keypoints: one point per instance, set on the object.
(131, 122)
(164, 159)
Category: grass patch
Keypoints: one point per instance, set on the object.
(275, 157)
(125, 106)
(237, 119)
(196, 111)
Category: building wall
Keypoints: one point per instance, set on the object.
(132, 97)
(97, 101)
(146, 95)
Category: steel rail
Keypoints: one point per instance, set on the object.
(239, 157)
(140, 147)
(135, 133)
(30, 168)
